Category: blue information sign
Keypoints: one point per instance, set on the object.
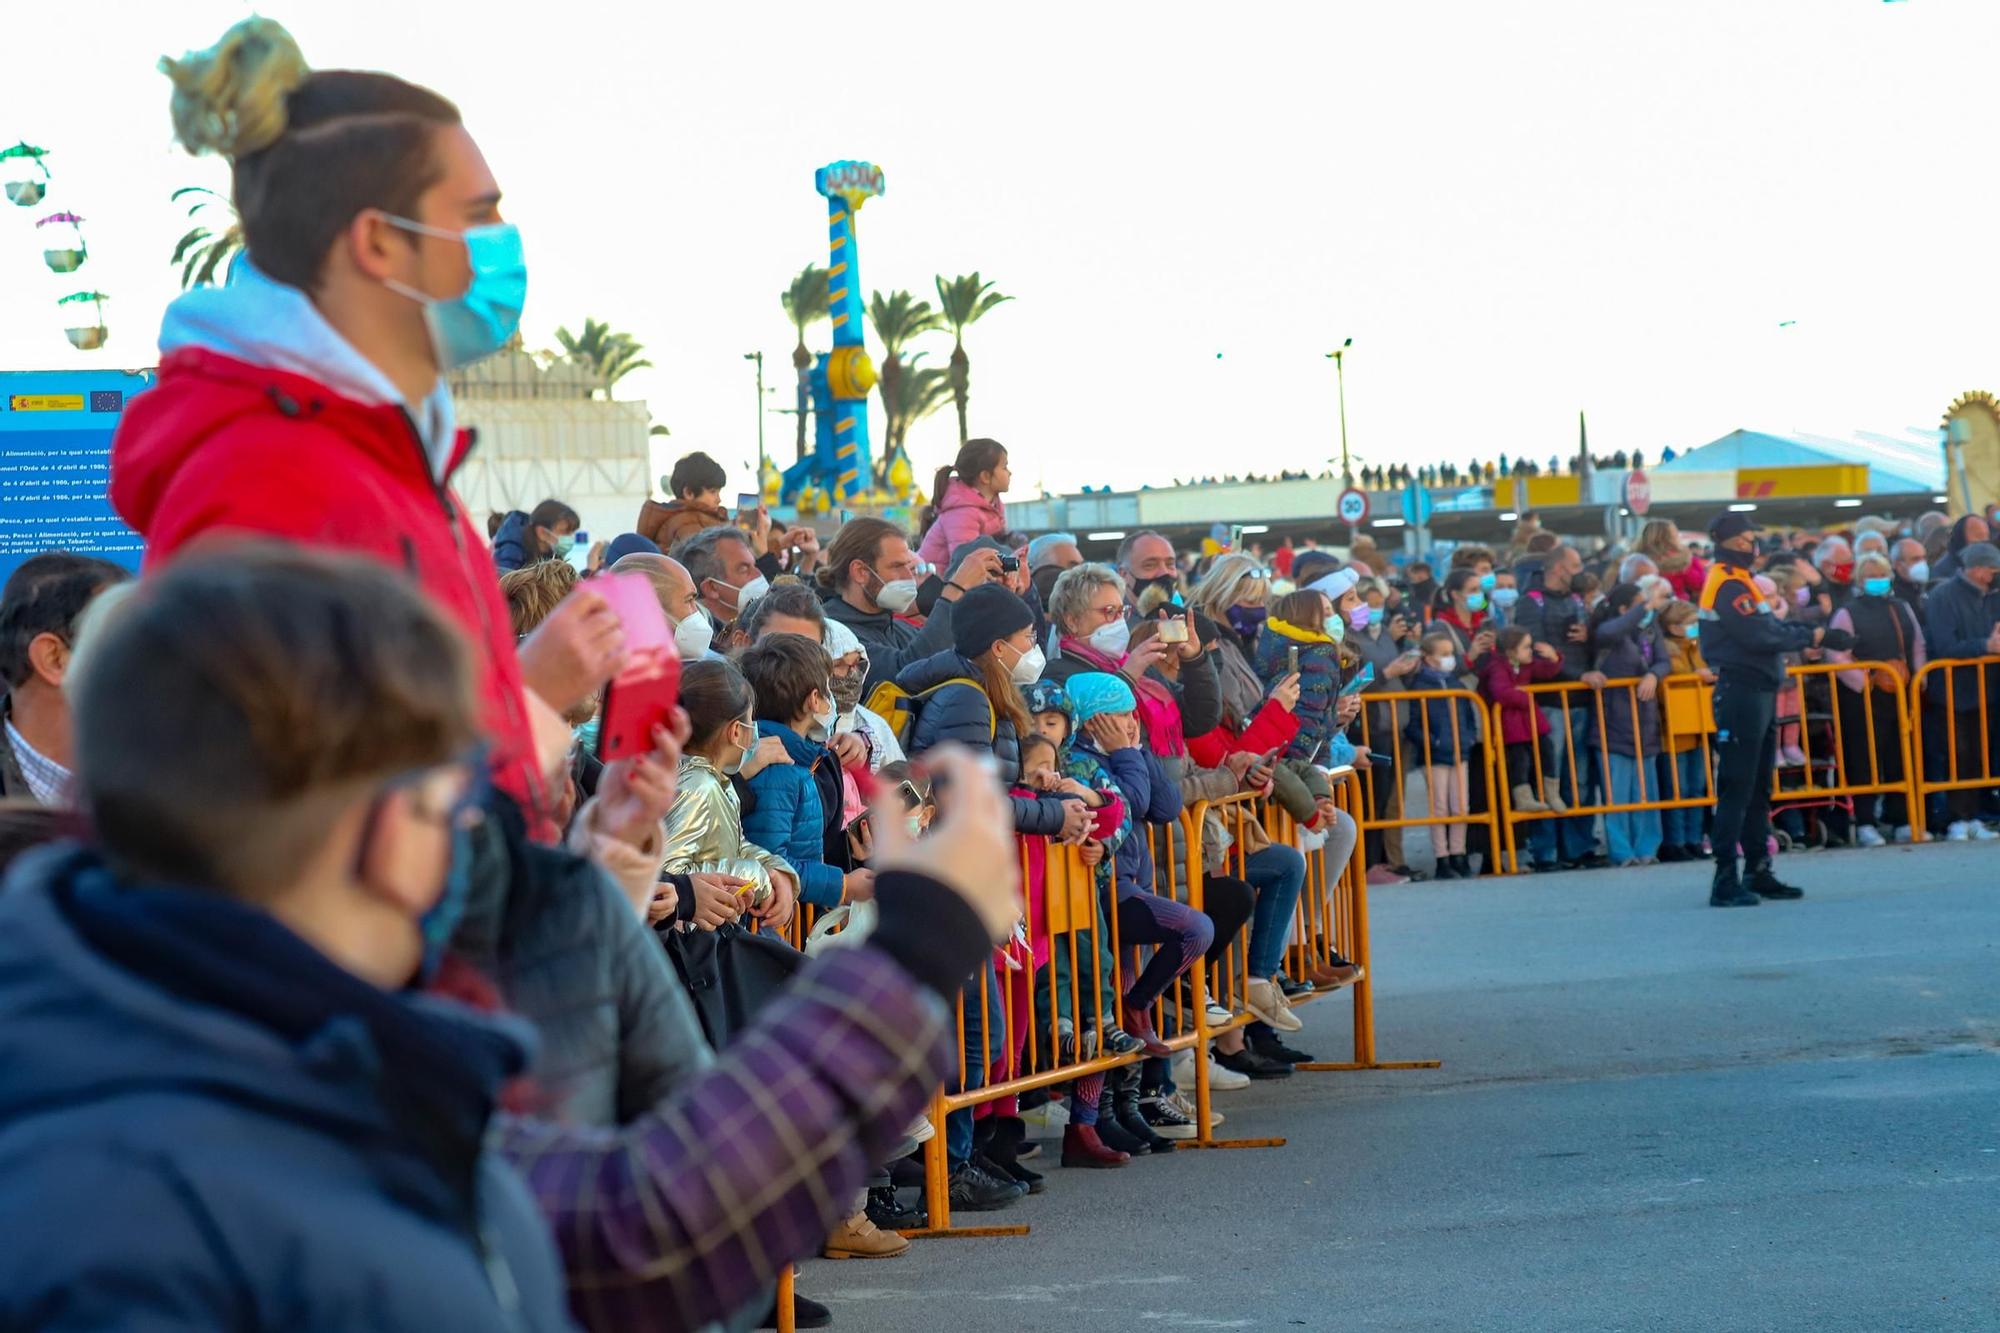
(55, 464)
(1416, 505)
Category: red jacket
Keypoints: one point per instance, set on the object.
(221, 446)
(1500, 682)
(1271, 729)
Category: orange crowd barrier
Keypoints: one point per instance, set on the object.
(1474, 752)
(1838, 766)
(1950, 720)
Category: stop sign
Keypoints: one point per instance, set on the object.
(1638, 492)
(1352, 507)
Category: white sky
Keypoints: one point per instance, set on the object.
(1516, 210)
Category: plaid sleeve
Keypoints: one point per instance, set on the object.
(682, 1216)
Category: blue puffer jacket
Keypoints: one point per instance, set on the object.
(789, 815)
(1438, 713)
(294, 1149)
(510, 543)
(962, 713)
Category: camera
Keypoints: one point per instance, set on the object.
(1010, 564)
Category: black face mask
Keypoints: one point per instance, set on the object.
(1166, 583)
(1043, 580)
(1729, 555)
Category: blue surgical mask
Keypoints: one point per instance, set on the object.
(1486, 582)
(1646, 619)
(478, 322)
(1694, 629)
(442, 917)
(1506, 597)
(1475, 601)
(1875, 587)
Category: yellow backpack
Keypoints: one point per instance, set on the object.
(899, 708)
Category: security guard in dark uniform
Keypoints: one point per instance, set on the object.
(1743, 641)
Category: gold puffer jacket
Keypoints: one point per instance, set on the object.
(704, 831)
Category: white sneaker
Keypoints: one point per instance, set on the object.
(1868, 836)
(1268, 1002)
(1958, 832)
(1224, 1080)
(1902, 833)
(921, 1130)
(1049, 1115)
(1979, 831)
(1217, 1015)
(1185, 1105)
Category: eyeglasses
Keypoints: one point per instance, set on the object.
(463, 812)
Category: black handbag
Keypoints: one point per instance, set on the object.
(730, 974)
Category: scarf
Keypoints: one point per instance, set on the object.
(1157, 709)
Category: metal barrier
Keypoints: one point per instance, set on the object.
(1393, 746)
(1072, 906)
(1935, 695)
(1680, 705)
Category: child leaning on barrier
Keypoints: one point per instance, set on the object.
(1627, 642)
(1049, 708)
(1682, 750)
(1443, 732)
(1517, 660)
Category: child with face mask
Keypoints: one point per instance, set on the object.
(1058, 1006)
(1684, 761)
(1306, 622)
(704, 828)
(1443, 732)
(1516, 661)
(797, 806)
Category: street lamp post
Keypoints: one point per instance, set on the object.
(758, 357)
(1340, 375)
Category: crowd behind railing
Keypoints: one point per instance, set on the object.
(1204, 762)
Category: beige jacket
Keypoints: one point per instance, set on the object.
(704, 831)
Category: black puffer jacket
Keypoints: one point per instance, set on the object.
(568, 953)
(964, 715)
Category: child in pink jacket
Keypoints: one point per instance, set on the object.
(965, 501)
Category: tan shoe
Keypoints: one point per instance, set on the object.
(1265, 1000)
(1552, 793)
(1333, 978)
(1525, 801)
(858, 1238)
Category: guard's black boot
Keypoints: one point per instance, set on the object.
(1760, 881)
(1727, 890)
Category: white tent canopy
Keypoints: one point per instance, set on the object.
(1911, 462)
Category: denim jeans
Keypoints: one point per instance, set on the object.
(982, 1048)
(1683, 827)
(1632, 834)
(1278, 873)
(1570, 838)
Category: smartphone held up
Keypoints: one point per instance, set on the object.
(642, 697)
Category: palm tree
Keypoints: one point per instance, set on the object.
(961, 302)
(920, 391)
(612, 355)
(806, 302)
(898, 318)
(204, 252)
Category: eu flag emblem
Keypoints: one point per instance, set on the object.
(107, 400)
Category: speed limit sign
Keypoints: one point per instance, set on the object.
(1352, 507)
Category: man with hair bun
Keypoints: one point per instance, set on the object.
(306, 399)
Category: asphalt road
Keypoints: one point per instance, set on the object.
(1651, 1115)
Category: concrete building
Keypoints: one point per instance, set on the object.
(551, 433)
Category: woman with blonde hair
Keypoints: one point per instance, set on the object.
(1661, 542)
